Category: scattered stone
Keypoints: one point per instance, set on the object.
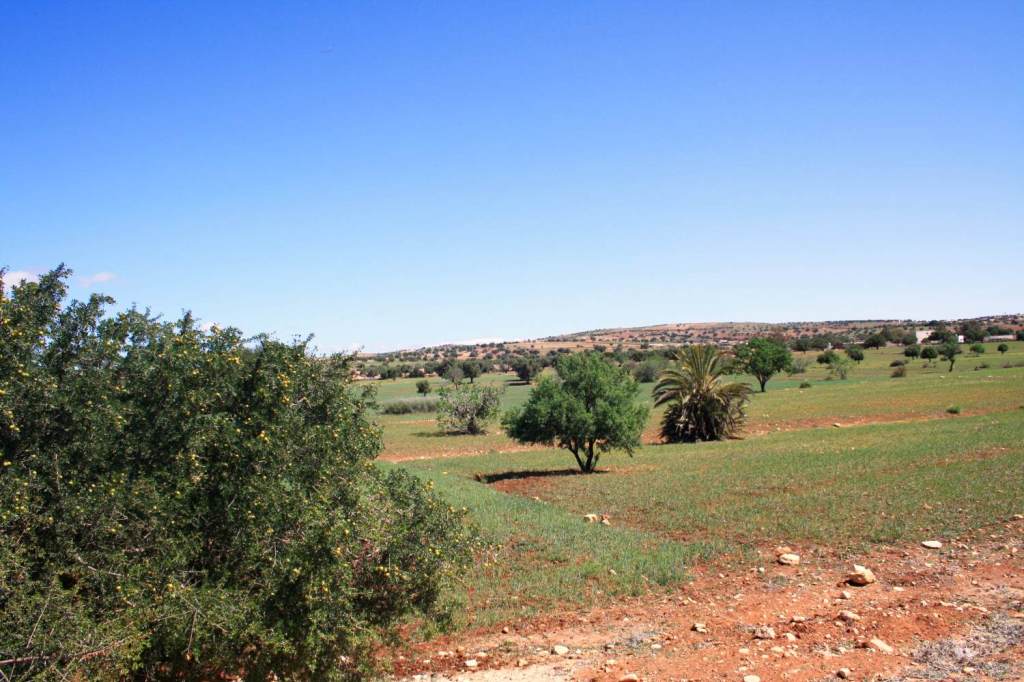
(559, 650)
(605, 521)
(846, 594)
(700, 627)
(879, 645)
(630, 677)
(505, 630)
(860, 576)
(837, 425)
(848, 616)
(764, 632)
(744, 651)
(790, 637)
(843, 673)
(471, 663)
(751, 678)
(655, 647)
(521, 662)
(591, 518)
(932, 544)
(789, 559)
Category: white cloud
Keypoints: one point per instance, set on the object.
(98, 278)
(17, 276)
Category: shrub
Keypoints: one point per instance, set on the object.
(175, 503)
(799, 366)
(827, 357)
(953, 409)
(409, 406)
(471, 369)
(591, 407)
(899, 372)
(423, 387)
(982, 365)
(855, 354)
(912, 351)
(1020, 334)
(1002, 348)
(897, 363)
(805, 384)
(467, 409)
(839, 367)
(929, 353)
(977, 348)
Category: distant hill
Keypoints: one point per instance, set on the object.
(682, 333)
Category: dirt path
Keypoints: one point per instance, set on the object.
(950, 613)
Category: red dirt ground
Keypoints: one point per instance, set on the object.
(952, 613)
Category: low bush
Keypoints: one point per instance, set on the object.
(953, 409)
(805, 384)
(178, 503)
(467, 409)
(410, 405)
(899, 372)
(897, 363)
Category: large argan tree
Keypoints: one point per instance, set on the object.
(763, 358)
(591, 407)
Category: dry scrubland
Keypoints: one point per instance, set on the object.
(838, 466)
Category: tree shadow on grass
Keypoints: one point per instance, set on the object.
(529, 473)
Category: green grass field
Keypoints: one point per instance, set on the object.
(900, 468)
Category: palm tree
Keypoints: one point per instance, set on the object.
(701, 406)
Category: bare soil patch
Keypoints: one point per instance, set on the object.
(952, 613)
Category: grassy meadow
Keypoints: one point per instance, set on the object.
(900, 467)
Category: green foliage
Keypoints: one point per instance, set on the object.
(855, 354)
(942, 335)
(874, 341)
(1020, 334)
(763, 358)
(899, 372)
(798, 366)
(701, 406)
(410, 405)
(527, 368)
(912, 351)
(827, 357)
(1002, 348)
(423, 387)
(805, 384)
(177, 503)
(467, 409)
(953, 409)
(973, 332)
(471, 369)
(948, 352)
(977, 348)
(929, 353)
(839, 367)
(592, 407)
(454, 373)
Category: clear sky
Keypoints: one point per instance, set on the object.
(396, 174)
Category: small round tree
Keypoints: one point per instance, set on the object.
(590, 408)
(948, 351)
(763, 358)
(1002, 348)
(855, 354)
(912, 351)
(471, 369)
(467, 409)
(928, 353)
(977, 348)
(423, 387)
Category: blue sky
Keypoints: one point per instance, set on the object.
(390, 175)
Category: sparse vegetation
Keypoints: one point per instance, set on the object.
(467, 409)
